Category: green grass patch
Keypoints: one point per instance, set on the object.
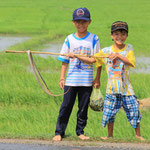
(25, 110)
(51, 17)
(39, 121)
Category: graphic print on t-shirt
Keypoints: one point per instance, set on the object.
(115, 69)
(83, 51)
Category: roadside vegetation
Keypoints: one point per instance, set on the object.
(25, 110)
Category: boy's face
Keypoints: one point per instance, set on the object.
(119, 37)
(81, 25)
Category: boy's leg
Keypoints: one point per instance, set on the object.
(64, 113)
(84, 94)
(131, 107)
(138, 134)
(137, 131)
(112, 104)
(110, 131)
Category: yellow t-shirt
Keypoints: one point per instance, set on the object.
(117, 70)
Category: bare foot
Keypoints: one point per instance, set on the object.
(57, 138)
(83, 137)
(106, 138)
(140, 138)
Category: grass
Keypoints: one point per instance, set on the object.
(49, 18)
(39, 121)
(25, 110)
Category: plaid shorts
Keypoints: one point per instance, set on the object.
(113, 103)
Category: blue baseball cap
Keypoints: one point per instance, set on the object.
(81, 14)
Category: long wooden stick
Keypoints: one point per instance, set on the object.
(35, 52)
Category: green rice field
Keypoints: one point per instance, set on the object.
(25, 110)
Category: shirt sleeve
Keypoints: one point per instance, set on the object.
(65, 49)
(131, 57)
(96, 44)
(99, 60)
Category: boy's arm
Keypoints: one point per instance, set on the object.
(84, 59)
(62, 75)
(124, 59)
(96, 82)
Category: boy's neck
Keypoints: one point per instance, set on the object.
(81, 35)
(118, 46)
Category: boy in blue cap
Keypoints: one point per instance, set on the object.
(80, 74)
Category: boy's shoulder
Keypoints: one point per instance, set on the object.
(69, 35)
(93, 34)
(106, 49)
(129, 47)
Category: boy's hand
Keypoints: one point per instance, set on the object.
(71, 55)
(113, 56)
(61, 83)
(96, 83)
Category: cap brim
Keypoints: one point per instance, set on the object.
(120, 28)
(87, 19)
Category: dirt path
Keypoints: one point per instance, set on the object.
(96, 144)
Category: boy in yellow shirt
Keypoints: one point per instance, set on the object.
(119, 92)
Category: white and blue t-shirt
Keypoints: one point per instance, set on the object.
(79, 73)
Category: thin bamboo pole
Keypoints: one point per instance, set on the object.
(35, 52)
